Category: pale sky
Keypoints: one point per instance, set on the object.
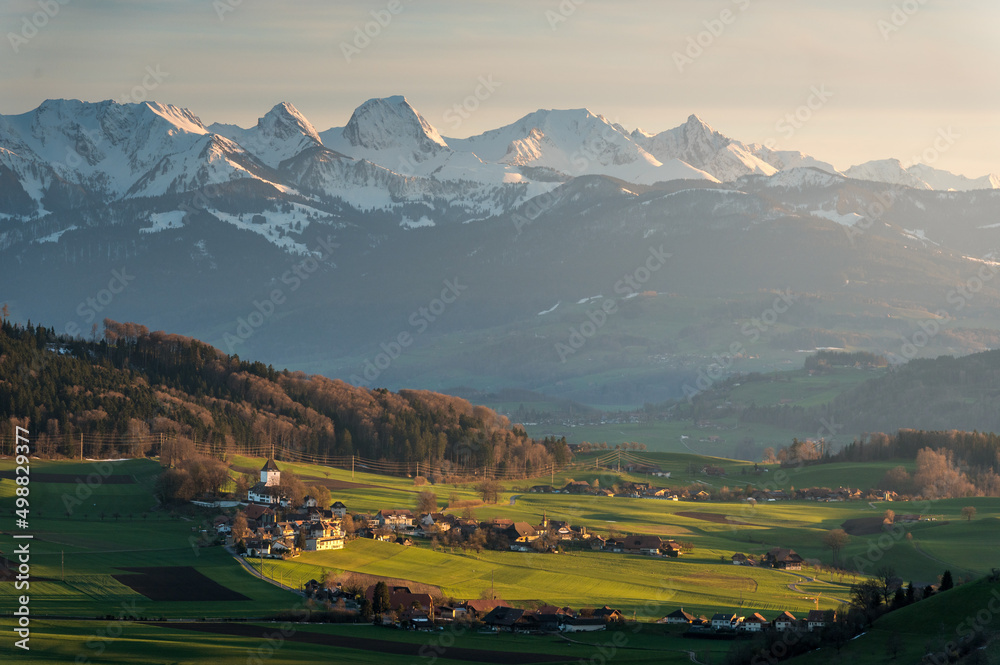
(889, 92)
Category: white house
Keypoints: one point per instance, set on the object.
(723, 621)
(785, 621)
(679, 616)
(321, 543)
(754, 623)
(816, 619)
(395, 519)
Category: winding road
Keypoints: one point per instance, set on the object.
(793, 586)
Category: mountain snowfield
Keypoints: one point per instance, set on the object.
(387, 157)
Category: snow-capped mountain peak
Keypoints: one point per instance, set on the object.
(390, 122)
(886, 170)
(574, 142)
(921, 176)
(388, 157)
(282, 133)
(286, 120)
(698, 144)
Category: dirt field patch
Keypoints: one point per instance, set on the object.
(715, 517)
(175, 583)
(259, 633)
(863, 526)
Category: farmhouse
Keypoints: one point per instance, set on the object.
(558, 611)
(521, 532)
(679, 617)
(785, 621)
(540, 622)
(721, 620)
(394, 519)
(401, 595)
(754, 623)
(642, 545)
(339, 509)
(784, 559)
(222, 524)
(482, 607)
(503, 618)
(816, 620)
(608, 614)
(258, 515)
(259, 547)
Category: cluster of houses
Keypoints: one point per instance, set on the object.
(825, 494)
(755, 623)
(632, 490)
(311, 528)
(308, 528)
(419, 611)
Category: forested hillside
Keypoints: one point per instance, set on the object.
(944, 393)
(132, 382)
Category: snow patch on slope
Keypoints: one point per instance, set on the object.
(162, 221)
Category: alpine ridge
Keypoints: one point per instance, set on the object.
(332, 250)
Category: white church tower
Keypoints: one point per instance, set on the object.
(270, 475)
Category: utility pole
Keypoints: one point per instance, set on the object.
(81, 446)
(62, 564)
(352, 467)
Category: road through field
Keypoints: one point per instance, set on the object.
(793, 586)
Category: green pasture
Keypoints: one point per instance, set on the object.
(75, 551)
(75, 555)
(121, 643)
(927, 626)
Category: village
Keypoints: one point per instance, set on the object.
(271, 527)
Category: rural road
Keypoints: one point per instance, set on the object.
(253, 571)
(805, 578)
(943, 563)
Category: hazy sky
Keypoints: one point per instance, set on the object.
(891, 80)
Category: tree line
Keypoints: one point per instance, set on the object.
(130, 382)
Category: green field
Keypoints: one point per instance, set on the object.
(77, 554)
(73, 558)
(59, 642)
(924, 627)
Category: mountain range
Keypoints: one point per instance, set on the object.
(385, 253)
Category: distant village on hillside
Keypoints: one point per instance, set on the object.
(271, 527)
